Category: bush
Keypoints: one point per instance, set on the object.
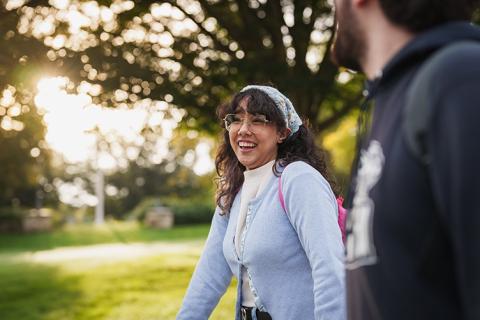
(11, 219)
(141, 209)
(185, 211)
(57, 215)
(192, 211)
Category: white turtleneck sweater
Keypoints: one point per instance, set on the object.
(254, 183)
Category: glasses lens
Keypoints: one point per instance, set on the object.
(259, 120)
(229, 120)
(234, 122)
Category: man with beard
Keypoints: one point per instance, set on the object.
(413, 243)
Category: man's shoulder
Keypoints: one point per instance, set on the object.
(458, 50)
(445, 71)
(441, 77)
(453, 64)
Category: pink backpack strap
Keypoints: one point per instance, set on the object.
(342, 218)
(342, 212)
(280, 194)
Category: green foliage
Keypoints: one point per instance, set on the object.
(25, 158)
(13, 213)
(185, 211)
(146, 183)
(340, 144)
(196, 65)
(22, 61)
(141, 209)
(227, 45)
(476, 15)
(25, 162)
(56, 215)
(174, 177)
(11, 219)
(191, 211)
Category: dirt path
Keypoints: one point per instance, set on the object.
(108, 252)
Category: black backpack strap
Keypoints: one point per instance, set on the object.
(418, 114)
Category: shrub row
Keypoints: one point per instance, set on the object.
(185, 211)
(11, 219)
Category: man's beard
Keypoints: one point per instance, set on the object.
(349, 46)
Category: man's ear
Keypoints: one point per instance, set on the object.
(360, 3)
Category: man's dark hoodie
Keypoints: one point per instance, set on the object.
(413, 248)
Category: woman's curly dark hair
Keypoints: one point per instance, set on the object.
(300, 146)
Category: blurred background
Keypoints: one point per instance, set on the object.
(108, 134)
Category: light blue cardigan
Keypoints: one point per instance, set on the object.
(294, 259)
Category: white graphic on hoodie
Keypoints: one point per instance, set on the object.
(360, 248)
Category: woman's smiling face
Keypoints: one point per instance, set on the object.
(254, 144)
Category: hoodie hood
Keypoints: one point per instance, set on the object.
(423, 45)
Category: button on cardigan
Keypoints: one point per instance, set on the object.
(294, 258)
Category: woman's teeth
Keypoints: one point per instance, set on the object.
(243, 144)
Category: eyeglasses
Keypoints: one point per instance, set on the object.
(233, 122)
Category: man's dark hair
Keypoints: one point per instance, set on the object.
(420, 15)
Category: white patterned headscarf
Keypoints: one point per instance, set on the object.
(292, 120)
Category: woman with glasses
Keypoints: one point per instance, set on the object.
(275, 227)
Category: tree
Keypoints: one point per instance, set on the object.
(25, 157)
(187, 53)
(192, 54)
(172, 178)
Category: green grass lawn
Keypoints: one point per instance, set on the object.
(150, 287)
(112, 232)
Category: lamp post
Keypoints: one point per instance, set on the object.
(99, 180)
(100, 194)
